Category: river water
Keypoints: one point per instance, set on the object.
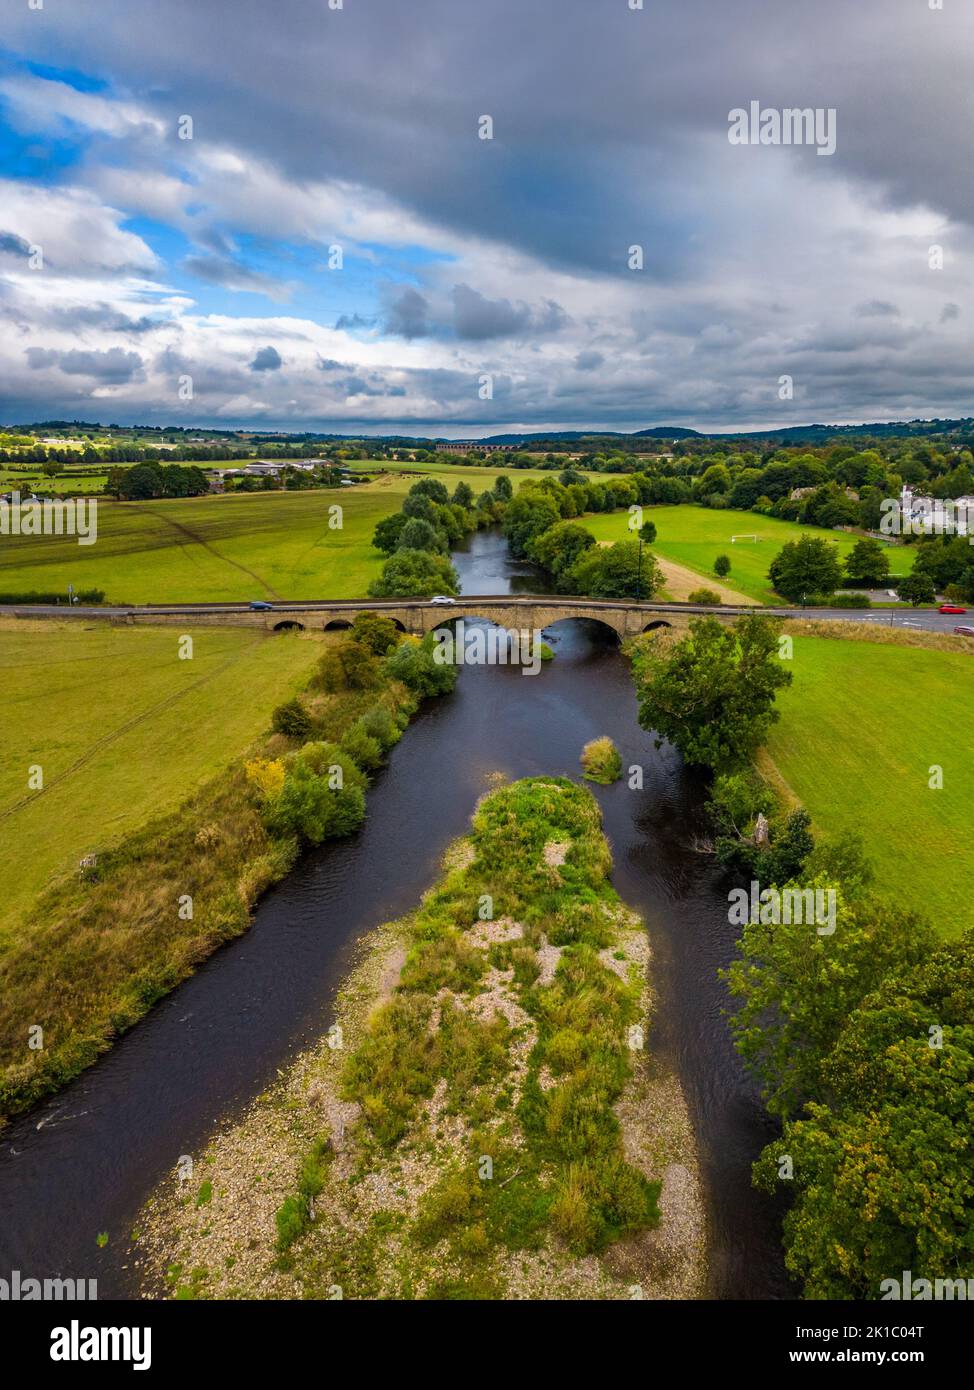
(84, 1162)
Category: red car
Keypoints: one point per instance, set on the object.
(951, 608)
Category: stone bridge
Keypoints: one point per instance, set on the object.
(625, 617)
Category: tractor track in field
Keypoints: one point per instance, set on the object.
(205, 545)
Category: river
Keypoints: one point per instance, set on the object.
(84, 1162)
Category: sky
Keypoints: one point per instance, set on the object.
(285, 215)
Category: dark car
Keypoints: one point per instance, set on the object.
(951, 608)
(965, 631)
(259, 606)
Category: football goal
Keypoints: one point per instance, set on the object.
(752, 539)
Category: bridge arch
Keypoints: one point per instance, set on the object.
(601, 623)
(337, 625)
(654, 627)
(289, 625)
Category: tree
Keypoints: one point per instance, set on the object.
(291, 719)
(806, 568)
(916, 589)
(867, 563)
(415, 574)
(712, 693)
(376, 632)
(348, 665)
(463, 495)
(420, 535)
(143, 481)
(797, 988)
(415, 664)
(615, 571)
(431, 488)
(51, 468)
(503, 488)
(722, 566)
(322, 797)
(386, 535)
(647, 532)
(527, 515)
(882, 1172)
(559, 547)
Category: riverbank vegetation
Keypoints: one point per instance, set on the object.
(859, 1025)
(101, 944)
(601, 761)
(483, 1121)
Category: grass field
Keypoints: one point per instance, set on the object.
(268, 545)
(695, 536)
(122, 730)
(862, 725)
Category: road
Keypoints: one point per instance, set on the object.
(923, 619)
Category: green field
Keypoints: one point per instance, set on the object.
(695, 536)
(267, 545)
(862, 725)
(123, 730)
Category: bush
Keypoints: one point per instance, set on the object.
(292, 720)
(379, 724)
(375, 632)
(601, 761)
(361, 747)
(349, 665)
(415, 574)
(850, 601)
(322, 798)
(705, 596)
(722, 566)
(414, 664)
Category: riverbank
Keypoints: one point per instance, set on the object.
(96, 949)
(490, 1123)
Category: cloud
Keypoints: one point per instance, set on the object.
(589, 360)
(408, 315)
(876, 309)
(112, 365)
(508, 256)
(267, 359)
(233, 276)
(476, 317)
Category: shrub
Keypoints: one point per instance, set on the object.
(379, 724)
(850, 601)
(376, 632)
(361, 747)
(322, 797)
(349, 665)
(414, 663)
(291, 719)
(601, 761)
(704, 596)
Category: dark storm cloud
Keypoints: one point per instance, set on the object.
(266, 359)
(110, 366)
(476, 317)
(408, 315)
